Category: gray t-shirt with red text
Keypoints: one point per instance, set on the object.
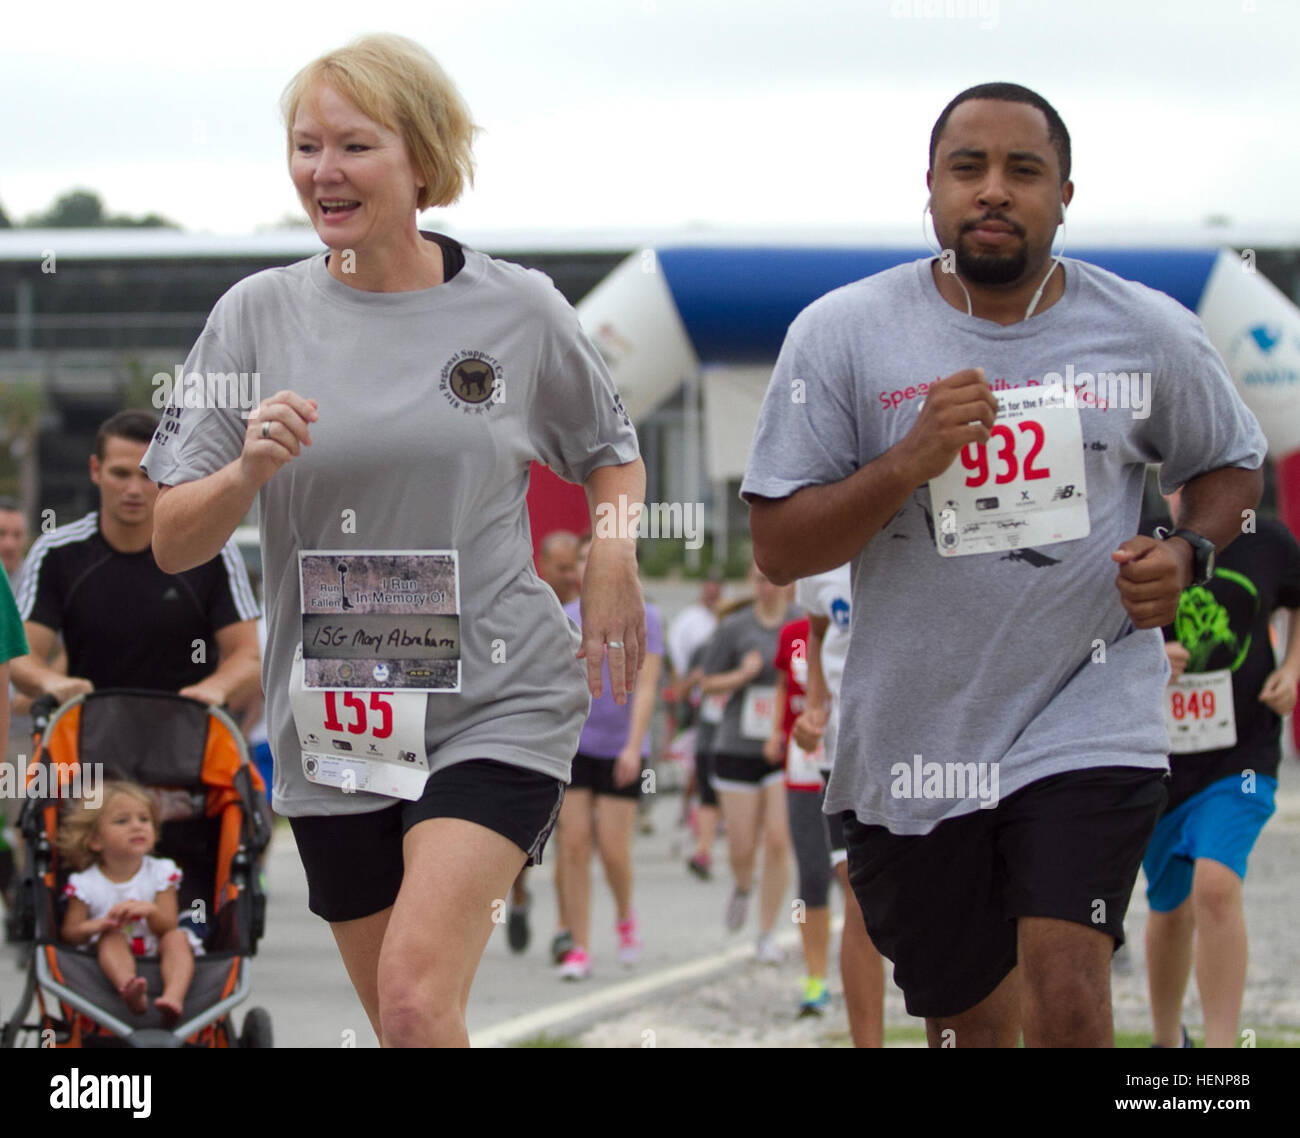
(1023, 657)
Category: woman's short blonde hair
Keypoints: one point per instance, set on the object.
(395, 82)
(80, 823)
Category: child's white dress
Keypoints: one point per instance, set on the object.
(100, 895)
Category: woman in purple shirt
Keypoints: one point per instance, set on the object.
(602, 800)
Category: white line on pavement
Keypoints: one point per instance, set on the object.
(521, 1027)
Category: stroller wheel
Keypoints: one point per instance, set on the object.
(257, 1029)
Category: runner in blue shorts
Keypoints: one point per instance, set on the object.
(1223, 708)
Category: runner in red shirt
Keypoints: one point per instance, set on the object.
(803, 784)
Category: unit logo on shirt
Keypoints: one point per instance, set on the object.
(472, 381)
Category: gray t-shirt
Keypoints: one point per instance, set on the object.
(1025, 658)
(414, 452)
(735, 637)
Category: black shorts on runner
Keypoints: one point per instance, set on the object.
(597, 775)
(354, 861)
(943, 906)
(704, 780)
(744, 772)
(835, 835)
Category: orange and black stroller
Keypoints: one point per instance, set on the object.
(215, 827)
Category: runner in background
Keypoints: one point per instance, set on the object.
(13, 538)
(709, 717)
(803, 785)
(688, 632)
(1223, 706)
(253, 720)
(694, 624)
(601, 801)
(557, 565)
(828, 597)
(13, 547)
(12, 643)
(13, 544)
(124, 621)
(739, 664)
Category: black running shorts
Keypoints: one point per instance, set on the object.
(597, 775)
(354, 861)
(745, 772)
(943, 906)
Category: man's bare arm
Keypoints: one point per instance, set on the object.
(1213, 504)
(31, 674)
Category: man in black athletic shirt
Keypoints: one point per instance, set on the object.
(126, 623)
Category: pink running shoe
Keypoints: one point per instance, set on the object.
(629, 944)
(576, 965)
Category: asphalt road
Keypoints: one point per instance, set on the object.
(299, 978)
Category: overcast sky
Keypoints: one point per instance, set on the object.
(665, 112)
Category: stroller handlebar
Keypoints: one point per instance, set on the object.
(43, 706)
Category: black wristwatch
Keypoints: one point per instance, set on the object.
(1202, 552)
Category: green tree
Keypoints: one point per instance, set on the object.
(84, 209)
(5, 223)
(148, 221)
(77, 209)
(22, 405)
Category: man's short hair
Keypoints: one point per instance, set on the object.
(1057, 135)
(10, 504)
(136, 426)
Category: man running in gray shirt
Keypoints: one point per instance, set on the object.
(972, 432)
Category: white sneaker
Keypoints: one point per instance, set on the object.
(768, 951)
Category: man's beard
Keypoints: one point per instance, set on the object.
(991, 268)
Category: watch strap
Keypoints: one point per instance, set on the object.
(1202, 551)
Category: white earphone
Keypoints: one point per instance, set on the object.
(938, 252)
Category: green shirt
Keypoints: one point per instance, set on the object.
(12, 640)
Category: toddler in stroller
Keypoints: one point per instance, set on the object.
(123, 900)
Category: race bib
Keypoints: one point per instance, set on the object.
(758, 712)
(1024, 487)
(381, 620)
(381, 630)
(803, 768)
(712, 708)
(360, 740)
(1199, 712)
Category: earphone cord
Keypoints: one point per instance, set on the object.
(1037, 295)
